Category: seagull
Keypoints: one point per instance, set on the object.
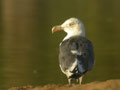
(76, 54)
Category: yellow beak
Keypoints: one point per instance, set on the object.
(57, 28)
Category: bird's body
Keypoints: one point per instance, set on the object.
(76, 55)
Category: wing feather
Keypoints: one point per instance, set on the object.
(76, 52)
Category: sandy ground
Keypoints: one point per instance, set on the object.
(106, 85)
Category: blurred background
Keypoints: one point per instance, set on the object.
(29, 51)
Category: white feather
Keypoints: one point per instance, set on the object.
(73, 65)
(75, 52)
(62, 69)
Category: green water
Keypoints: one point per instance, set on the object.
(29, 51)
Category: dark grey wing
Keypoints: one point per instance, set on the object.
(66, 58)
(76, 54)
(86, 58)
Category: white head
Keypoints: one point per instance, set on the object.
(72, 26)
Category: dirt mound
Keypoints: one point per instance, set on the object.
(106, 85)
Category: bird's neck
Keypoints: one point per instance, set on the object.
(72, 34)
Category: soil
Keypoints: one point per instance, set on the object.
(105, 85)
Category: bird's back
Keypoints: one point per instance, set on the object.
(76, 56)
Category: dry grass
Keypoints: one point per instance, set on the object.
(106, 85)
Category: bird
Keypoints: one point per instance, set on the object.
(76, 52)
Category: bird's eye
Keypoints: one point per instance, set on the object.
(71, 24)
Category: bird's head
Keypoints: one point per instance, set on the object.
(72, 27)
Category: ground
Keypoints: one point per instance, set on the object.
(105, 85)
